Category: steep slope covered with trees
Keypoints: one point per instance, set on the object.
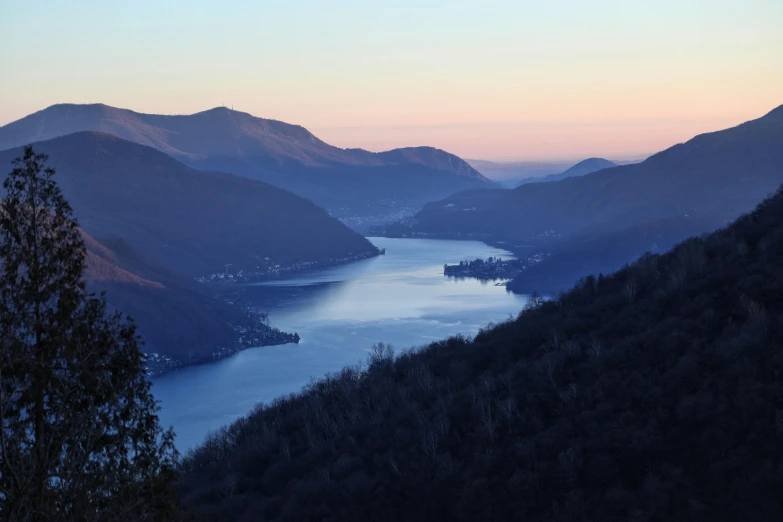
(653, 394)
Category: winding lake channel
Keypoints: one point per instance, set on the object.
(401, 298)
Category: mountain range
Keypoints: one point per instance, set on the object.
(348, 182)
(711, 179)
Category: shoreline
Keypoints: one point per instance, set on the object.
(218, 356)
(277, 272)
(254, 334)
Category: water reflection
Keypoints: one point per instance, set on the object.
(277, 299)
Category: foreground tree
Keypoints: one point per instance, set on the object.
(80, 437)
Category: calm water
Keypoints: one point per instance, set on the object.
(401, 298)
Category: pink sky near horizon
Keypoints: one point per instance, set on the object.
(501, 80)
(536, 141)
(618, 139)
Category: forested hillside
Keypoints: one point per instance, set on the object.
(653, 394)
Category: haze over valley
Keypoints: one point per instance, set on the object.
(512, 174)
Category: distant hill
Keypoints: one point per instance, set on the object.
(188, 221)
(712, 178)
(587, 166)
(653, 394)
(511, 173)
(347, 181)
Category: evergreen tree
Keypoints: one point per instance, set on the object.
(80, 437)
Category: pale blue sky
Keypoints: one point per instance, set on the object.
(480, 78)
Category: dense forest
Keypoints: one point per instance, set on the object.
(652, 394)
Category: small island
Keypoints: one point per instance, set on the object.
(490, 269)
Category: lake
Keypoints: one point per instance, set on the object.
(401, 298)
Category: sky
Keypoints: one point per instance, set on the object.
(497, 80)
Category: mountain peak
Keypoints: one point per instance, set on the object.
(584, 167)
(61, 106)
(592, 164)
(223, 111)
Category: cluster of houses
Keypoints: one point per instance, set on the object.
(492, 268)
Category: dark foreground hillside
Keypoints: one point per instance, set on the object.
(654, 394)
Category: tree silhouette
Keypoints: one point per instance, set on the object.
(80, 438)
